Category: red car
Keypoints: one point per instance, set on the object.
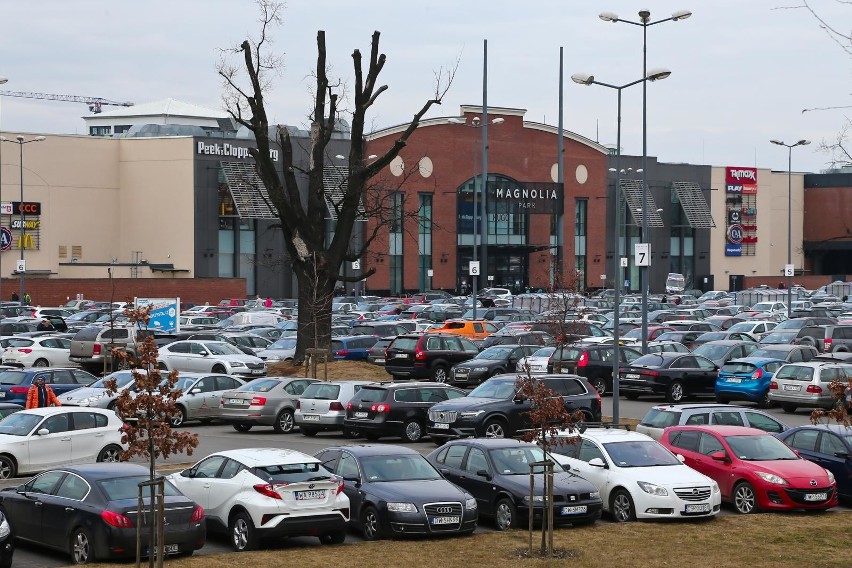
(754, 469)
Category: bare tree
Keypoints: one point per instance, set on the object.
(315, 262)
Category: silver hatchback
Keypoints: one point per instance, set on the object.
(270, 401)
(807, 384)
(323, 405)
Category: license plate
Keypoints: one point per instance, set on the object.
(2, 394)
(401, 356)
(462, 371)
(360, 414)
(310, 417)
(574, 510)
(440, 426)
(631, 376)
(380, 360)
(445, 520)
(698, 508)
(816, 496)
(257, 371)
(733, 380)
(170, 548)
(792, 387)
(310, 495)
(235, 401)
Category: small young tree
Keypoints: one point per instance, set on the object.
(839, 413)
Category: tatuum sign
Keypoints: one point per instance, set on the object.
(740, 180)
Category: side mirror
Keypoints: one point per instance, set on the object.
(43, 432)
(204, 353)
(352, 478)
(484, 473)
(720, 456)
(597, 462)
(843, 455)
(519, 399)
(195, 391)
(680, 458)
(21, 489)
(187, 473)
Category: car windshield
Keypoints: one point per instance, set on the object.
(651, 360)
(544, 352)
(738, 368)
(711, 351)
(122, 379)
(742, 327)
(292, 472)
(260, 385)
(219, 348)
(495, 353)
(712, 336)
(661, 418)
(398, 468)
(121, 488)
(494, 389)
(12, 377)
(792, 324)
(515, 461)
(762, 307)
(759, 448)
(640, 454)
(19, 424)
(181, 384)
(284, 343)
(778, 337)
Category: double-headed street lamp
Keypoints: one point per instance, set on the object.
(20, 142)
(645, 22)
(788, 268)
(586, 79)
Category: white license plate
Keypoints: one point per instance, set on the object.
(236, 401)
(698, 508)
(445, 520)
(574, 510)
(2, 394)
(170, 548)
(440, 426)
(733, 380)
(257, 371)
(631, 376)
(380, 360)
(792, 387)
(310, 417)
(310, 495)
(816, 496)
(401, 356)
(360, 414)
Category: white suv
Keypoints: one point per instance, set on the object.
(267, 492)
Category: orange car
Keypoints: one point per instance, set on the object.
(477, 329)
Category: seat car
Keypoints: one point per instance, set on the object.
(497, 473)
(16, 383)
(491, 361)
(40, 438)
(494, 409)
(284, 349)
(209, 357)
(322, 406)
(427, 355)
(673, 375)
(754, 469)
(399, 409)
(394, 491)
(807, 384)
(827, 445)
(723, 350)
(747, 378)
(46, 351)
(591, 361)
(637, 477)
(662, 416)
(260, 493)
(90, 511)
(266, 402)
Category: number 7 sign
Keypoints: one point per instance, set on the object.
(642, 254)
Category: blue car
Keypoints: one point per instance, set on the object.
(746, 378)
(828, 445)
(352, 347)
(15, 383)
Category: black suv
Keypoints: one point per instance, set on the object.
(398, 409)
(519, 337)
(494, 360)
(591, 361)
(494, 409)
(427, 356)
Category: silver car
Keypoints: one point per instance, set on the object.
(202, 393)
(323, 405)
(209, 357)
(270, 401)
(283, 349)
(95, 395)
(806, 384)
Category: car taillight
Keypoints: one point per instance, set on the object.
(268, 490)
(348, 406)
(96, 349)
(258, 401)
(826, 344)
(419, 355)
(339, 484)
(19, 390)
(380, 408)
(197, 514)
(583, 361)
(814, 389)
(116, 520)
(24, 350)
(773, 386)
(757, 374)
(341, 353)
(650, 373)
(298, 404)
(335, 406)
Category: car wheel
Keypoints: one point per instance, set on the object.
(338, 537)
(179, 418)
(219, 369)
(124, 363)
(284, 422)
(621, 507)
(674, 393)
(309, 432)
(110, 454)
(349, 433)
(439, 374)
(788, 408)
(600, 385)
(494, 429)
(82, 547)
(631, 396)
(413, 431)
(162, 366)
(764, 401)
(242, 533)
(41, 363)
(370, 524)
(505, 515)
(745, 500)
(242, 427)
(7, 467)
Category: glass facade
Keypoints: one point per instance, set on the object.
(395, 240)
(681, 243)
(424, 241)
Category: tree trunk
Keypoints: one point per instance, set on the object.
(315, 296)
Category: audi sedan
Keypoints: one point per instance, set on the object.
(673, 375)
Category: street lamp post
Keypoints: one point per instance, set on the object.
(790, 217)
(19, 140)
(3, 81)
(645, 22)
(586, 79)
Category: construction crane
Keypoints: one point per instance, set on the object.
(95, 103)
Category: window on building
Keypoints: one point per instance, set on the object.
(121, 128)
(425, 240)
(226, 247)
(100, 131)
(395, 242)
(248, 257)
(581, 232)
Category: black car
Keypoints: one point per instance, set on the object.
(427, 355)
(497, 473)
(829, 446)
(494, 409)
(494, 360)
(376, 353)
(518, 337)
(674, 375)
(591, 361)
(393, 491)
(7, 543)
(399, 409)
(91, 512)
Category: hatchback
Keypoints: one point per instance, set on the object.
(47, 351)
(376, 353)
(662, 416)
(427, 356)
(747, 378)
(322, 406)
(807, 384)
(15, 383)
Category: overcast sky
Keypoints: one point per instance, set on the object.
(742, 70)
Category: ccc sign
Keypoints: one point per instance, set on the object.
(26, 208)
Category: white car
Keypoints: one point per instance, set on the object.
(535, 364)
(45, 351)
(41, 438)
(209, 357)
(267, 492)
(754, 328)
(638, 478)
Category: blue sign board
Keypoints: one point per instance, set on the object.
(733, 250)
(164, 313)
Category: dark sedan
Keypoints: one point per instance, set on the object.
(494, 360)
(497, 473)
(394, 491)
(827, 445)
(90, 511)
(673, 375)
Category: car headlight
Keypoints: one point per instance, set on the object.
(402, 508)
(237, 364)
(480, 369)
(536, 499)
(470, 503)
(715, 487)
(595, 495)
(830, 477)
(652, 489)
(471, 413)
(5, 529)
(771, 478)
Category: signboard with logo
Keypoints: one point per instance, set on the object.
(229, 150)
(741, 211)
(164, 313)
(535, 198)
(11, 214)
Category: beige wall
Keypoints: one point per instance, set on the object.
(771, 250)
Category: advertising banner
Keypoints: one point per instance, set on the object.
(164, 313)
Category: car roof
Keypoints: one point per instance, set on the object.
(819, 364)
(407, 384)
(836, 428)
(607, 434)
(344, 382)
(722, 430)
(362, 450)
(493, 443)
(261, 457)
(756, 360)
(698, 406)
(105, 470)
(51, 410)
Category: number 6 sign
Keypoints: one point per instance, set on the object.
(473, 268)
